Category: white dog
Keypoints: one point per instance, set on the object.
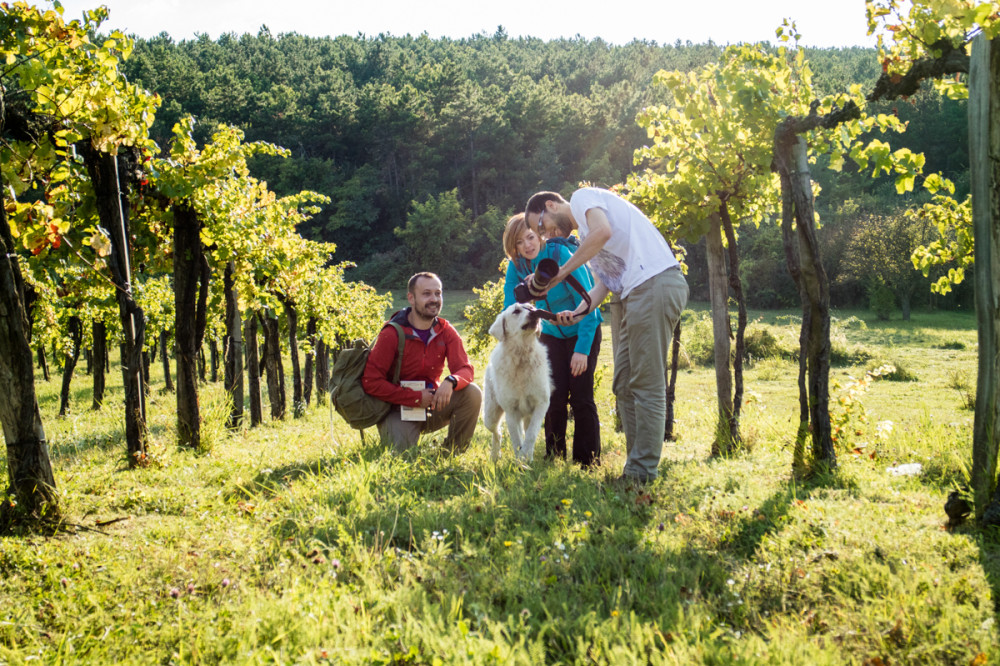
(517, 381)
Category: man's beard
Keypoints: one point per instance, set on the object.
(426, 312)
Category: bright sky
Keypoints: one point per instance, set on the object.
(821, 22)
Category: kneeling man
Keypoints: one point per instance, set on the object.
(422, 402)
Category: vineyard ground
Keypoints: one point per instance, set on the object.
(295, 543)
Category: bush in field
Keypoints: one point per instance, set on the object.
(843, 352)
(959, 381)
(762, 344)
(696, 337)
(882, 300)
(759, 341)
(852, 323)
(481, 313)
(899, 373)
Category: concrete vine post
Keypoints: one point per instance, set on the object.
(984, 154)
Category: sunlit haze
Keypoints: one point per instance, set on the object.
(821, 24)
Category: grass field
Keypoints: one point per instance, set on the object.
(293, 543)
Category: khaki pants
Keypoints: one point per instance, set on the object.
(460, 416)
(649, 316)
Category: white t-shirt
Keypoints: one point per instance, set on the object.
(636, 250)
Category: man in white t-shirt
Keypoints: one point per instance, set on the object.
(630, 258)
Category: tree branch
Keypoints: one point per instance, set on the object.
(951, 61)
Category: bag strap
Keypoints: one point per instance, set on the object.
(399, 350)
(572, 244)
(573, 282)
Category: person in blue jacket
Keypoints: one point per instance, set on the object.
(572, 349)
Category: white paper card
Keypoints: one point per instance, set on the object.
(413, 413)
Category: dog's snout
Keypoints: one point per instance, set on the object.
(532, 317)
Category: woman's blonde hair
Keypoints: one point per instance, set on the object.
(515, 227)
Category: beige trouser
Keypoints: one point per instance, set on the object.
(649, 316)
(460, 416)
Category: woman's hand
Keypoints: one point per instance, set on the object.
(578, 364)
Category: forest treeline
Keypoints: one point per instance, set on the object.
(426, 146)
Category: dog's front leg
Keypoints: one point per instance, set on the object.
(516, 431)
(531, 433)
(491, 419)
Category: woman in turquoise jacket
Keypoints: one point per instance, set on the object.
(572, 349)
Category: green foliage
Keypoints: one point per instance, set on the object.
(881, 299)
(923, 29)
(879, 255)
(760, 341)
(959, 381)
(953, 248)
(436, 230)
(697, 337)
(844, 353)
(62, 86)
(761, 344)
(852, 323)
(844, 350)
(848, 415)
(773, 369)
(379, 122)
(481, 314)
(692, 167)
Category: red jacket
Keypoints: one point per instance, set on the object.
(420, 361)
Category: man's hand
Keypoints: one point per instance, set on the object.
(442, 396)
(578, 364)
(569, 317)
(426, 398)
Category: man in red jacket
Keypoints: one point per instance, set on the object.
(430, 340)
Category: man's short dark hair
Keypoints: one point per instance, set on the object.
(411, 286)
(536, 204)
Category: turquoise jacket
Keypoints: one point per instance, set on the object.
(561, 297)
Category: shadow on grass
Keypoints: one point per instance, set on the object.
(551, 550)
(271, 482)
(770, 516)
(989, 558)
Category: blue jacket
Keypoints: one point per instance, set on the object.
(561, 297)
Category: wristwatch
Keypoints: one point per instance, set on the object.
(453, 379)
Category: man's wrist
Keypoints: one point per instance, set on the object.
(453, 379)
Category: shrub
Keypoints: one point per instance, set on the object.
(683, 360)
(958, 380)
(697, 339)
(852, 323)
(897, 374)
(698, 342)
(788, 320)
(881, 300)
(843, 352)
(761, 344)
(481, 314)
